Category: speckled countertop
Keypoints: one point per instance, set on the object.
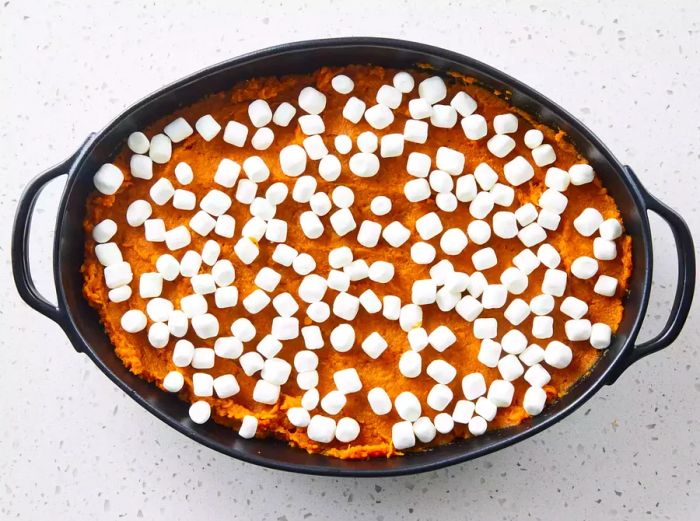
(72, 446)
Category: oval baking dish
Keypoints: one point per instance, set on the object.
(81, 324)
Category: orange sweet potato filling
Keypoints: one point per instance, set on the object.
(375, 436)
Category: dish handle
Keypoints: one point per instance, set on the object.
(20, 245)
(685, 252)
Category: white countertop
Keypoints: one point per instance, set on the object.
(72, 446)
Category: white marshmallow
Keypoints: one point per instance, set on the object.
(553, 201)
(243, 329)
(450, 160)
(246, 250)
(606, 286)
(505, 124)
(293, 160)
(544, 155)
(422, 253)
(276, 230)
(604, 249)
(392, 145)
(256, 169)
(256, 301)
(183, 352)
(379, 116)
(514, 280)
(321, 429)
(284, 114)
(389, 96)
(202, 223)
(526, 261)
(150, 285)
(193, 305)
(205, 326)
(432, 89)
(417, 190)
(118, 274)
(485, 408)
(203, 358)
(141, 167)
(133, 321)
(312, 337)
(226, 297)
(347, 430)
(342, 221)
(484, 259)
(441, 338)
(441, 371)
(548, 255)
(485, 176)
(161, 149)
(276, 370)
(137, 212)
(453, 241)
(557, 179)
(534, 400)
(311, 100)
(419, 108)
(396, 234)
(510, 368)
(228, 347)
(439, 397)
(370, 302)
(342, 338)
(333, 402)
(120, 294)
(285, 305)
(469, 308)
(184, 173)
(343, 144)
(463, 103)
(424, 429)
(584, 267)
(485, 328)
(407, 406)
(501, 392)
(610, 229)
(440, 182)
(311, 225)
(374, 345)
(473, 386)
(554, 282)
(200, 412)
(320, 203)
(588, 222)
(202, 384)
(346, 306)
(578, 330)
(600, 335)
(402, 435)
(410, 316)
(342, 84)
(533, 138)
(429, 226)
(532, 234)
(500, 145)
(207, 127)
(447, 202)
(381, 271)
(443, 116)
(505, 225)
(178, 130)
(542, 327)
(463, 412)
(347, 381)
(251, 363)
(404, 82)
(479, 232)
(517, 311)
(474, 127)
(494, 296)
(310, 399)
(581, 174)
(548, 219)
(108, 254)
(159, 309)
(354, 109)
(215, 203)
(391, 307)
(177, 238)
(311, 124)
(283, 255)
(225, 226)
(173, 381)
(266, 392)
(235, 133)
(418, 339)
(526, 214)
(269, 346)
(423, 292)
(329, 168)
(303, 264)
(368, 142)
(557, 355)
(481, 205)
(534, 354)
(380, 205)
(503, 195)
(364, 165)
(343, 196)
(254, 229)
(410, 364)
(315, 147)
(418, 164)
(226, 386)
(138, 142)
(104, 230)
(415, 131)
(573, 307)
(267, 279)
(518, 171)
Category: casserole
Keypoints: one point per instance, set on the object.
(82, 326)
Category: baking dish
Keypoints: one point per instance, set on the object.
(81, 324)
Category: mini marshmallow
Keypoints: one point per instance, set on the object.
(526, 261)
(485, 176)
(423, 292)
(588, 222)
(510, 368)
(503, 195)
(293, 160)
(226, 297)
(410, 364)
(202, 223)
(477, 284)
(389, 96)
(276, 370)
(225, 226)
(354, 109)
(548, 255)
(303, 264)
(178, 130)
(315, 147)
(266, 392)
(526, 214)
(285, 305)
(342, 84)
(573, 307)
(417, 190)
(494, 296)
(600, 335)
(177, 238)
(183, 352)
(584, 267)
(578, 330)
(553, 201)
(479, 232)
(343, 144)
(120, 294)
(542, 327)
(347, 430)
(440, 181)
(484, 259)
(173, 381)
(159, 309)
(402, 435)
(311, 100)
(312, 337)
(418, 164)
(311, 125)
(202, 384)
(391, 307)
(108, 254)
(246, 191)
(557, 355)
(177, 323)
(548, 219)
(138, 212)
(422, 253)
(474, 126)
(447, 202)
(514, 280)
(443, 116)
(340, 257)
(424, 429)
(518, 171)
(329, 168)
(256, 301)
(283, 114)
(379, 116)
(215, 203)
(403, 81)
(254, 229)
(419, 108)
(267, 279)
(504, 225)
(469, 308)
(396, 234)
(343, 196)
(481, 205)
(374, 345)
(133, 321)
(310, 399)
(161, 149)
(453, 241)
(342, 221)
(203, 358)
(604, 249)
(391, 145)
(381, 271)
(346, 306)
(321, 429)
(283, 255)
(439, 397)
(485, 408)
(183, 173)
(226, 386)
(534, 354)
(415, 131)
(200, 412)
(364, 165)
(207, 127)
(138, 142)
(501, 392)
(141, 167)
(557, 179)
(104, 230)
(432, 89)
(407, 406)
(534, 400)
(276, 230)
(347, 381)
(441, 371)
(320, 203)
(463, 103)
(532, 234)
(205, 326)
(256, 169)
(333, 402)
(150, 285)
(249, 425)
(473, 386)
(228, 347)
(485, 328)
(463, 412)
(193, 305)
(269, 346)
(533, 138)
(342, 338)
(370, 302)
(505, 124)
(441, 338)
(418, 339)
(544, 155)
(450, 160)
(251, 363)
(517, 311)
(606, 286)
(246, 250)
(500, 145)
(581, 174)
(610, 229)
(554, 282)
(410, 316)
(311, 225)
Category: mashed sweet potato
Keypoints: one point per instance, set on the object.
(375, 436)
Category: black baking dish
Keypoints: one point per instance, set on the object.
(81, 324)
